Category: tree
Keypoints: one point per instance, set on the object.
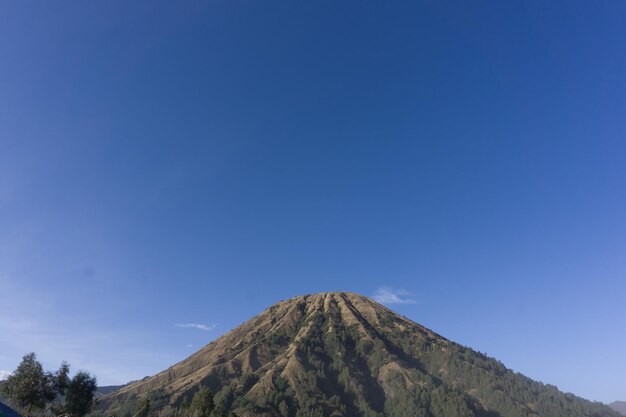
(79, 394)
(59, 382)
(61, 378)
(202, 403)
(29, 388)
(32, 390)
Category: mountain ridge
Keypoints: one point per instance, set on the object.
(343, 354)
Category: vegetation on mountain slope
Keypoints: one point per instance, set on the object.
(341, 354)
(619, 406)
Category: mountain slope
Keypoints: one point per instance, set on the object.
(109, 389)
(619, 406)
(342, 354)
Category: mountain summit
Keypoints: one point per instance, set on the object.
(341, 354)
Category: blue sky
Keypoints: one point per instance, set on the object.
(169, 169)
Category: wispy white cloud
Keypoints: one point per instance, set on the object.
(388, 295)
(205, 327)
(4, 375)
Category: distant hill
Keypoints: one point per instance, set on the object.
(619, 406)
(109, 389)
(342, 354)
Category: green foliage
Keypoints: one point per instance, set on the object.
(61, 379)
(31, 389)
(79, 394)
(34, 391)
(143, 408)
(223, 401)
(202, 404)
(185, 404)
(247, 381)
(158, 399)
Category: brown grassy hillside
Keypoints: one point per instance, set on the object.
(342, 354)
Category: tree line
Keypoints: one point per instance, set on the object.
(38, 393)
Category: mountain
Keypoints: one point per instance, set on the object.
(341, 354)
(108, 389)
(619, 406)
